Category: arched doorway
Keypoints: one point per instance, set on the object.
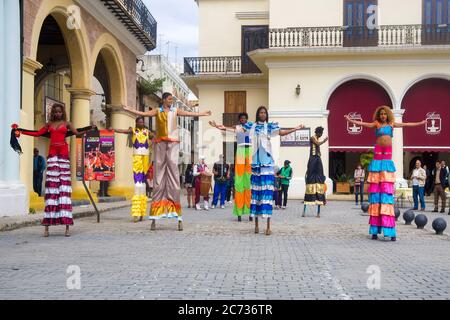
(428, 99)
(357, 98)
(109, 83)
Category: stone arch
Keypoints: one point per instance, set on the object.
(76, 40)
(108, 47)
(362, 76)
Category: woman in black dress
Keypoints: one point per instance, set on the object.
(315, 179)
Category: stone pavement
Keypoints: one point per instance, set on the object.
(215, 257)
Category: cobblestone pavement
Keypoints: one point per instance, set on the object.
(216, 257)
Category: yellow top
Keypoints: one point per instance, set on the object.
(141, 142)
(166, 125)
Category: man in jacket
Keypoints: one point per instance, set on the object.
(418, 178)
(440, 182)
(39, 166)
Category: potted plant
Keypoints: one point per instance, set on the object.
(342, 184)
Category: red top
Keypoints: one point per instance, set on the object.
(58, 144)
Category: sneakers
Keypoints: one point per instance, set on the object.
(283, 208)
(206, 205)
(213, 207)
(222, 207)
(197, 207)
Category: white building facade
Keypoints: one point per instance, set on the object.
(312, 62)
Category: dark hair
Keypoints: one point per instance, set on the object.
(243, 114)
(319, 130)
(166, 95)
(52, 112)
(259, 110)
(140, 118)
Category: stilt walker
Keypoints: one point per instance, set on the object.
(141, 143)
(382, 173)
(243, 169)
(167, 189)
(315, 179)
(263, 175)
(58, 185)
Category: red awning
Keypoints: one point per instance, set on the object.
(358, 99)
(428, 99)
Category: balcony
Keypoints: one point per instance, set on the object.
(136, 17)
(385, 36)
(216, 65)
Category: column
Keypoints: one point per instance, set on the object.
(27, 121)
(80, 116)
(13, 193)
(123, 184)
(397, 149)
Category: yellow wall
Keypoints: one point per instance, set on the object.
(220, 30)
(308, 13)
(300, 13)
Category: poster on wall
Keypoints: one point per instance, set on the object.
(99, 156)
(299, 138)
(48, 104)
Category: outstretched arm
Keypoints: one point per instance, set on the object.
(184, 113)
(360, 123)
(221, 126)
(410, 124)
(77, 132)
(38, 133)
(286, 132)
(128, 131)
(319, 143)
(149, 114)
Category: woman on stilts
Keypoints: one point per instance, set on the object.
(141, 143)
(243, 168)
(58, 186)
(315, 179)
(382, 172)
(167, 189)
(263, 175)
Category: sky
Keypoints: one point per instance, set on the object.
(177, 24)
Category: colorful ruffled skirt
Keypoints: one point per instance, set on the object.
(315, 182)
(58, 192)
(263, 186)
(381, 193)
(141, 164)
(242, 181)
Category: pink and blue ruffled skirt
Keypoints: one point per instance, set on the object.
(381, 193)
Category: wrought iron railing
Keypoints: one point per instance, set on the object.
(341, 36)
(137, 18)
(224, 65)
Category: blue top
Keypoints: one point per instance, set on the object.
(385, 131)
(260, 135)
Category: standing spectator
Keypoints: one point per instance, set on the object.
(277, 188)
(439, 179)
(428, 181)
(418, 177)
(189, 185)
(230, 185)
(285, 175)
(221, 175)
(446, 172)
(359, 176)
(39, 166)
(199, 170)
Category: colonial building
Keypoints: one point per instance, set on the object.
(312, 62)
(76, 51)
